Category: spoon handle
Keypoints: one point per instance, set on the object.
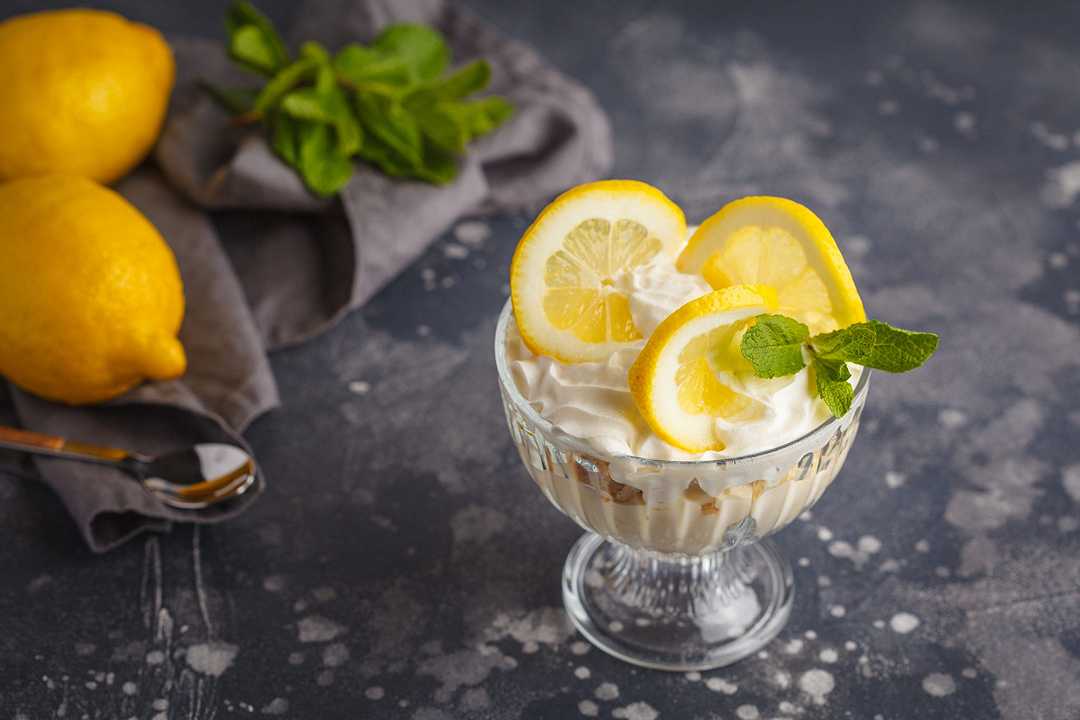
(41, 444)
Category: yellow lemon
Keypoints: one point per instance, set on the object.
(90, 295)
(82, 92)
(777, 242)
(686, 377)
(565, 272)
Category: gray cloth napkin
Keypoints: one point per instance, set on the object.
(285, 265)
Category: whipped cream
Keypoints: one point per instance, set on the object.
(592, 401)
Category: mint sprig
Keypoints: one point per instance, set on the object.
(776, 345)
(391, 103)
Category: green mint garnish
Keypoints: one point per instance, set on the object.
(391, 103)
(775, 346)
(831, 378)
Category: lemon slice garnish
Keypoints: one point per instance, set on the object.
(777, 242)
(684, 379)
(566, 269)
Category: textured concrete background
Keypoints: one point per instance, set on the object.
(402, 565)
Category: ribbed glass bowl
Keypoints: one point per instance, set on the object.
(674, 572)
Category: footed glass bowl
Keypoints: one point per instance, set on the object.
(675, 572)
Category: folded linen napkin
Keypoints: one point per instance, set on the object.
(284, 265)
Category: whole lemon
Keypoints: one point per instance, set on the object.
(82, 92)
(90, 295)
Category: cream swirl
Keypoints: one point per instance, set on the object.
(592, 401)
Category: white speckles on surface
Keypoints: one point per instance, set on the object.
(894, 479)
(273, 583)
(747, 712)
(476, 524)
(129, 688)
(951, 418)
(1049, 139)
(817, 684)
(211, 658)
(1062, 185)
(155, 657)
(828, 655)
(455, 251)
(922, 546)
(606, 691)
(335, 655)
(1070, 480)
(939, 684)
(579, 647)
(721, 685)
(635, 711)
(582, 673)
(693, 676)
(793, 647)
(903, 623)
(964, 122)
(869, 544)
(547, 626)
(472, 233)
(374, 692)
(277, 706)
(359, 387)
(588, 708)
(1072, 301)
(969, 673)
(838, 611)
(824, 534)
(316, 628)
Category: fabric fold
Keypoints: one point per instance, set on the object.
(266, 264)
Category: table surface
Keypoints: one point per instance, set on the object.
(401, 564)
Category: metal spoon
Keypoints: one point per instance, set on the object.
(197, 477)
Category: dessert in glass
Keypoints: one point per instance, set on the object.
(634, 413)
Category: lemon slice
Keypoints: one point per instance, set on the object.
(684, 379)
(777, 242)
(565, 271)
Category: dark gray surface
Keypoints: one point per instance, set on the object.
(401, 564)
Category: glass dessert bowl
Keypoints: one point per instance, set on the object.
(675, 571)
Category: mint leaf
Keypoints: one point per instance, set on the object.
(482, 116)
(466, 80)
(893, 349)
(284, 138)
(386, 122)
(289, 77)
(443, 128)
(420, 50)
(831, 378)
(773, 345)
(365, 69)
(326, 103)
(253, 41)
(391, 103)
(323, 166)
(854, 343)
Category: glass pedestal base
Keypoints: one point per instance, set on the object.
(671, 612)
